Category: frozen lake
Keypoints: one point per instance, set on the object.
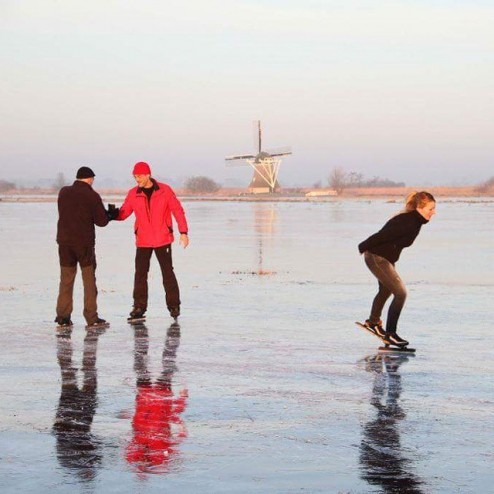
(266, 385)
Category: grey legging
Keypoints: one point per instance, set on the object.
(390, 283)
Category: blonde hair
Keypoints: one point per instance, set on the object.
(418, 200)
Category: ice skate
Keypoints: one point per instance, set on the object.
(392, 342)
(137, 315)
(63, 322)
(99, 323)
(174, 312)
(376, 328)
(394, 339)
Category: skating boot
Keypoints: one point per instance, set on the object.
(394, 339)
(99, 323)
(137, 315)
(376, 328)
(174, 312)
(63, 322)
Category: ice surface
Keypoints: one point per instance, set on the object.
(267, 385)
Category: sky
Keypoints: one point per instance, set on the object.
(391, 88)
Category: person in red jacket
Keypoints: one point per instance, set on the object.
(153, 204)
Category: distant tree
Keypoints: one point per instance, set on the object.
(317, 185)
(337, 180)
(6, 186)
(201, 184)
(382, 182)
(487, 186)
(354, 179)
(59, 181)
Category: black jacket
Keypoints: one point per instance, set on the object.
(79, 208)
(399, 232)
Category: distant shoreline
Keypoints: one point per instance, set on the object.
(287, 195)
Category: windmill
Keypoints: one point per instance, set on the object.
(266, 164)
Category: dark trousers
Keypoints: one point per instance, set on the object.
(390, 283)
(142, 262)
(70, 257)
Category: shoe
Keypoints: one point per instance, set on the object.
(394, 339)
(174, 312)
(136, 313)
(376, 328)
(63, 322)
(99, 323)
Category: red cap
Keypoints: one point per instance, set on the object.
(141, 168)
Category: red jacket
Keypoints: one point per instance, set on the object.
(153, 219)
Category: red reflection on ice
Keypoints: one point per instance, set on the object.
(157, 426)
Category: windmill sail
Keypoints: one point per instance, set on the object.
(256, 126)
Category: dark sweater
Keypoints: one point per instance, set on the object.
(79, 208)
(399, 232)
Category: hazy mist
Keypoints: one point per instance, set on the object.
(398, 89)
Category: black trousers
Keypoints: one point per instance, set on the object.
(170, 284)
(390, 283)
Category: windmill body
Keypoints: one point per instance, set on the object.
(266, 164)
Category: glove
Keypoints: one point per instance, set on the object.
(112, 212)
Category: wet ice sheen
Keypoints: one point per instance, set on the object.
(266, 385)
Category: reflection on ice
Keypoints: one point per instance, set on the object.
(157, 426)
(265, 217)
(383, 460)
(77, 449)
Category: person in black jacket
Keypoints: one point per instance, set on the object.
(80, 208)
(382, 250)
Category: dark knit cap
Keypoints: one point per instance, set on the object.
(85, 172)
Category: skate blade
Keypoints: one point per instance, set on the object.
(394, 349)
(137, 320)
(98, 326)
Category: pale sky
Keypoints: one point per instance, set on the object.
(398, 89)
